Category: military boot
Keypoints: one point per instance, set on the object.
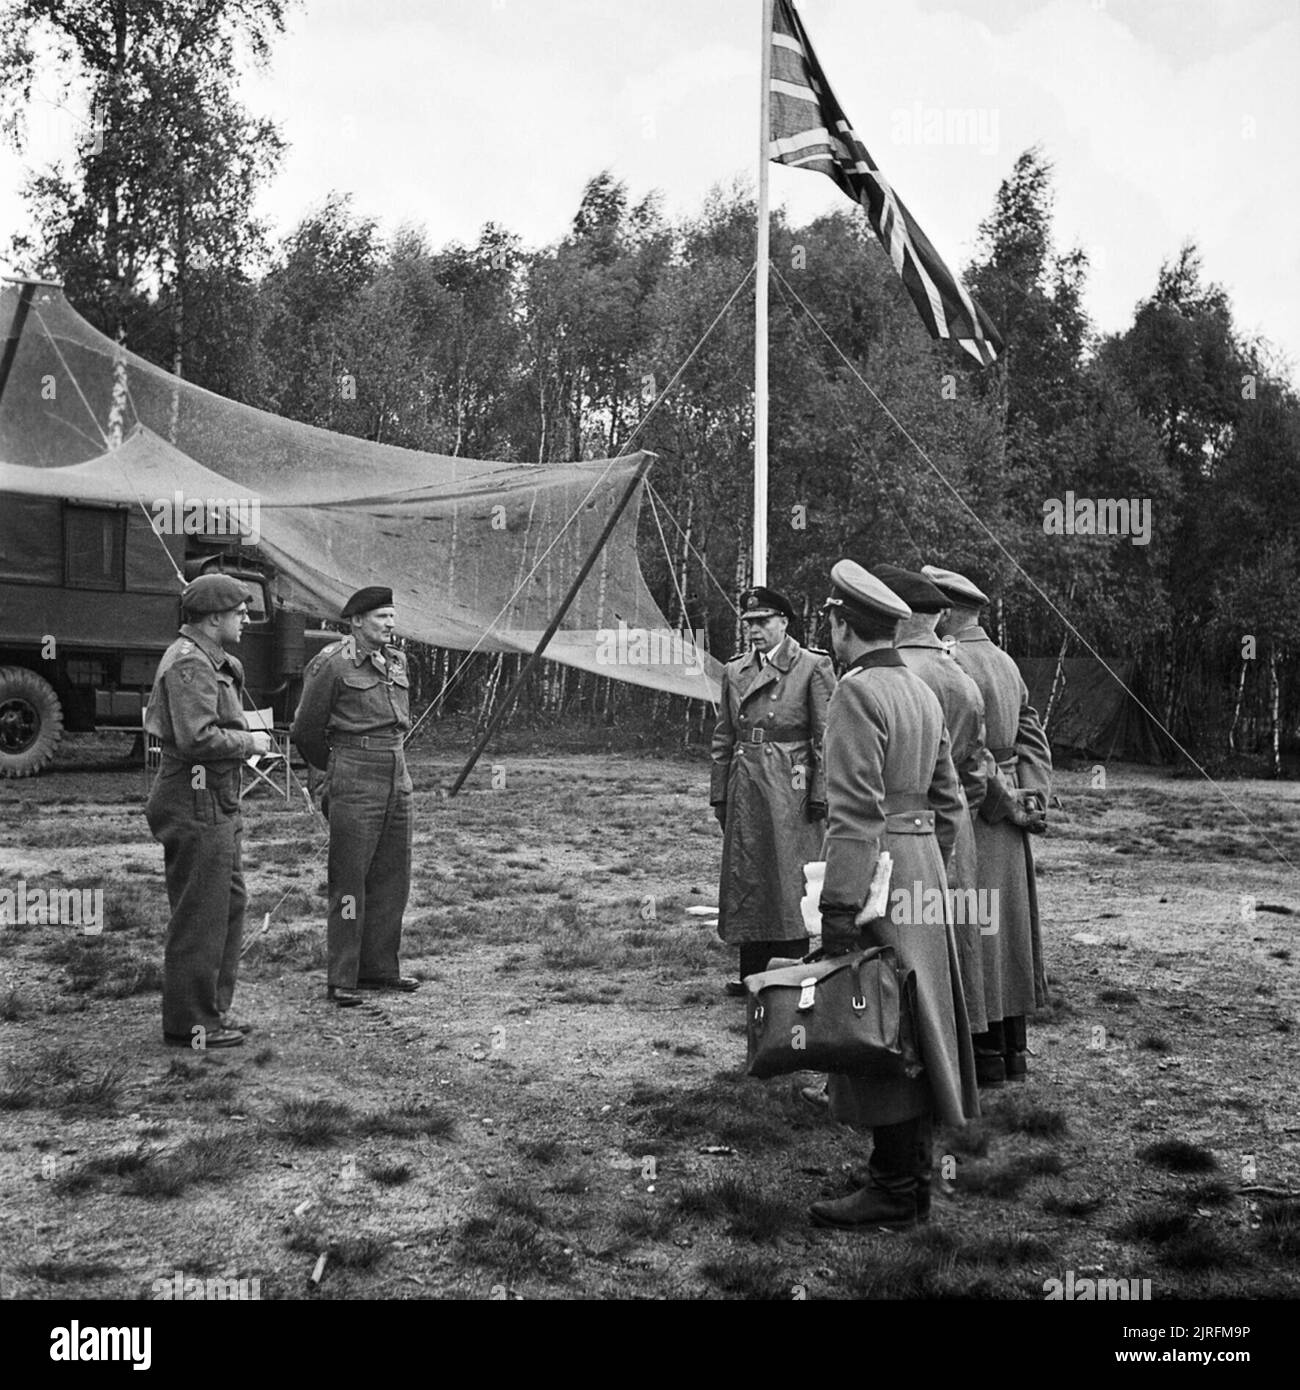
(889, 1196)
(924, 1151)
(1015, 1051)
(990, 1055)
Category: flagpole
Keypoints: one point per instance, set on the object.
(759, 574)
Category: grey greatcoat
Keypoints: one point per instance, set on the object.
(891, 785)
(963, 712)
(1014, 981)
(767, 768)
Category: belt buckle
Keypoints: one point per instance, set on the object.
(757, 736)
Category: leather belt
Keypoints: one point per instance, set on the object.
(763, 735)
(371, 741)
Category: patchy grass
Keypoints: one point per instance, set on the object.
(1079, 1208)
(751, 1211)
(1279, 1228)
(1178, 1156)
(209, 1158)
(67, 1271)
(1015, 1115)
(1155, 1042)
(1010, 1177)
(312, 1124)
(13, 1006)
(410, 1120)
(390, 1174)
(751, 1277)
(1156, 1222)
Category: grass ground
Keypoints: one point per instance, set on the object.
(562, 1110)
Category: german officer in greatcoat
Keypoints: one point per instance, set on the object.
(768, 788)
(963, 712)
(891, 785)
(1014, 808)
(351, 720)
(195, 711)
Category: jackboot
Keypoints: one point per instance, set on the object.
(889, 1196)
(924, 1151)
(990, 1055)
(1015, 1052)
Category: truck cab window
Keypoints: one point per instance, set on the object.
(94, 547)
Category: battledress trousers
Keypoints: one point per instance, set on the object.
(351, 720)
(195, 710)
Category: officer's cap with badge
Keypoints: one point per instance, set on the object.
(366, 601)
(759, 603)
(214, 593)
(955, 587)
(920, 595)
(859, 592)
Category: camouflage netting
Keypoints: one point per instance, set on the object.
(479, 554)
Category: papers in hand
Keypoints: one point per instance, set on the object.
(878, 894)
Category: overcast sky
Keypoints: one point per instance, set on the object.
(1165, 119)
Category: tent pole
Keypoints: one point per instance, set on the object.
(25, 296)
(633, 483)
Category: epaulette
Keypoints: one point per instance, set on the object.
(186, 647)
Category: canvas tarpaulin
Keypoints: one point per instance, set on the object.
(1093, 715)
(478, 553)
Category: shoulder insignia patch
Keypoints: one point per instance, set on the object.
(186, 673)
(185, 647)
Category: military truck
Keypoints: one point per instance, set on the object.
(89, 601)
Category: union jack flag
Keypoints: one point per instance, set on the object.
(811, 131)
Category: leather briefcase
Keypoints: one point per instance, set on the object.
(852, 1014)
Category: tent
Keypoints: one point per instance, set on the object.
(479, 553)
(1093, 716)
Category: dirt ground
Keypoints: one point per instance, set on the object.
(562, 1110)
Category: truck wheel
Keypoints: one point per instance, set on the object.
(31, 722)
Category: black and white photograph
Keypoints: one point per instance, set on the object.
(646, 655)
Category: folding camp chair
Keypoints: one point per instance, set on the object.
(267, 767)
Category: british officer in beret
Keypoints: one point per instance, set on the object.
(196, 712)
(891, 785)
(768, 788)
(352, 719)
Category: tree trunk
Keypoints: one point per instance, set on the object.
(1236, 707)
(1275, 726)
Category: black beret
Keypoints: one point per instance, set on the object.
(914, 589)
(365, 600)
(214, 593)
(759, 602)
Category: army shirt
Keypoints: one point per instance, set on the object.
(348, 690)
(196, 707)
